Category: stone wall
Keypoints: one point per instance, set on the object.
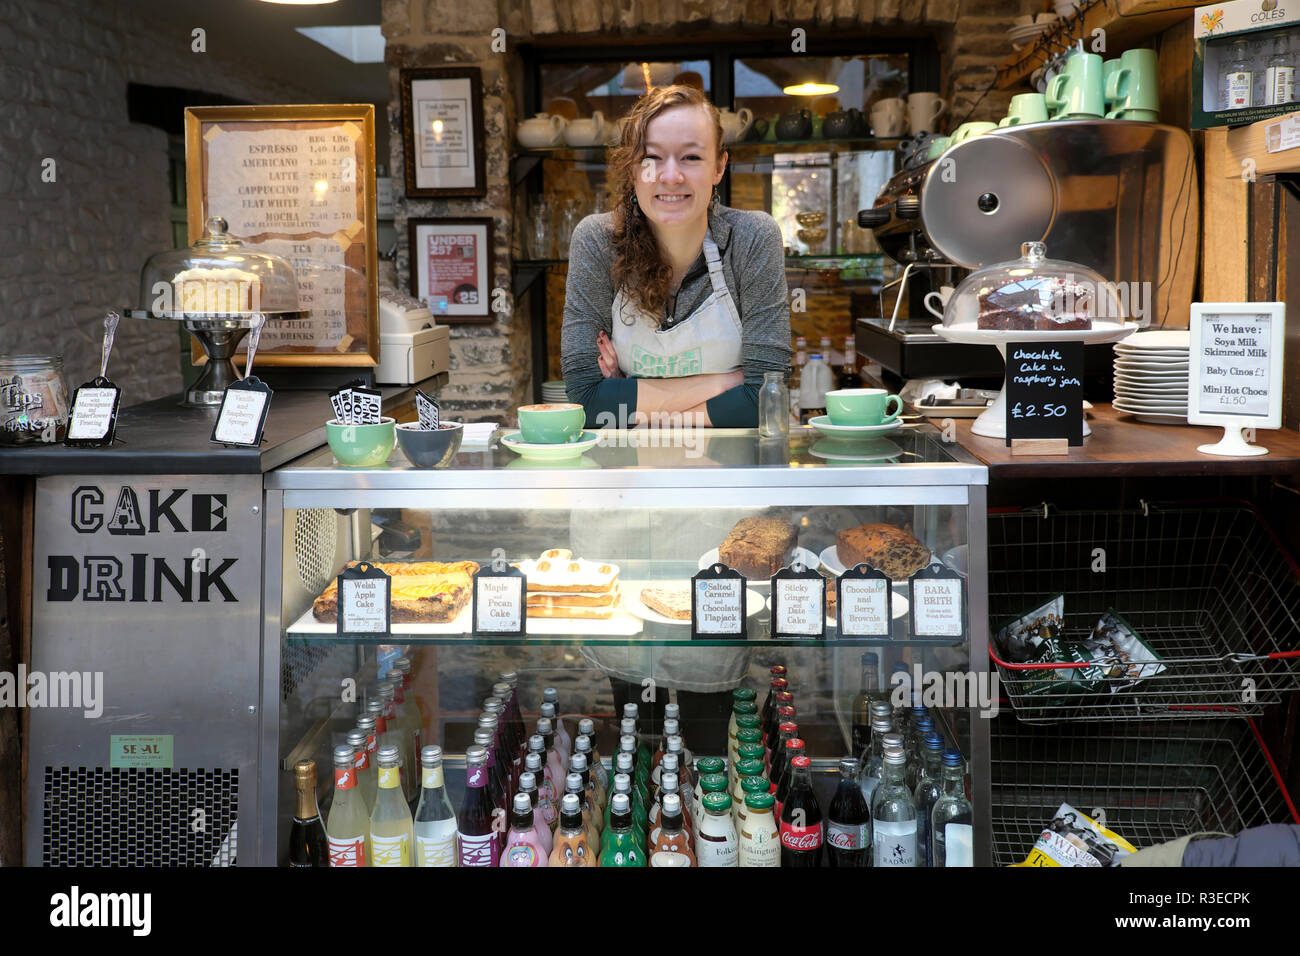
(73, 247)
(491, 371)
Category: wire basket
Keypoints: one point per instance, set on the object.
(1150, 783)
(1208, 588)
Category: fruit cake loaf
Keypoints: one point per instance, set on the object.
(757, 547)
(883, 546)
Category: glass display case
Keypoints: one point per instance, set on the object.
(651, 508)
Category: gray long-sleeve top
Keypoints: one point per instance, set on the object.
(753, 265)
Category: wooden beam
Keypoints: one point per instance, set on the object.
(1225, 225)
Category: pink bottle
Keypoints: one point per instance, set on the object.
(523, 843)
(546, 805)
(563, 741)
(528, 785)
(555, 762)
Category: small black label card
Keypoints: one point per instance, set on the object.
(93, 420)
(938, 602)
(1044, 392)
(864, 603)
(798, 603)
(500, 601)
(718, 600)
(243, 413)
(364, 602)
(428, 411)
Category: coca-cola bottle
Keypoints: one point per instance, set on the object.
(793, 749)
(801, 818)
(783, 698)
(788, 731)
(848, 821)
(768, 713)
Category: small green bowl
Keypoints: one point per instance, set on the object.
(551, 423)
(361, 446)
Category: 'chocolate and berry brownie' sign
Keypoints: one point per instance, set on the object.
(1044, 393)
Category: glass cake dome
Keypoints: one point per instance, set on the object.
(216, 277)
(1034, 294)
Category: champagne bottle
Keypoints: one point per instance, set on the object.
(308, 845)
(348, 827)
(392, 839)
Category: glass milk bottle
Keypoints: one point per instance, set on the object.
(717, 844)
(773, 406)
(759, 841)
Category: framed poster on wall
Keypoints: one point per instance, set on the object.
(442, 132)
(298, 182)
(451, 268)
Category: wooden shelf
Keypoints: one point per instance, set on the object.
(1126, 22)
(1248, 142)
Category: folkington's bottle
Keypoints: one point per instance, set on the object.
(392, 840)
(477, 836)
(348, 826)
(759, 840)
(435, 820)
(308, 844)
(717, 843)
(523, 844)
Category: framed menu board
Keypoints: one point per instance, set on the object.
(297, 182)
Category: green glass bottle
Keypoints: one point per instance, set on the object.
(620, 845)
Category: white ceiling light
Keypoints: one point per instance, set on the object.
(358, 44)
(301, 3)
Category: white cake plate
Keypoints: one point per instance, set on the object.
(992, 423)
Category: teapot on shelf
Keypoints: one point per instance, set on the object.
(844, 124)
(735, 126)
(796, 124)
(541, 131)
(586, 132)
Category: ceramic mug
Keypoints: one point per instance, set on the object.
(1107, 68)
(941, 297)
(862, 406)
(888, 117)
(969, 131)
(1132, 87)
(1026, 108)
(938, 145)
(1078, 92)
(551, 423)
(922, 110)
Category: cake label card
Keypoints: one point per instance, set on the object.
(863, 603)
(1044, 391)
(243, 413)
(500, 601)
(93, 420)
(718, 603)
(428, 411)
(798, 603)
(364, 601)
(938, 602)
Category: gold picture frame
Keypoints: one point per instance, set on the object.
(327, 225)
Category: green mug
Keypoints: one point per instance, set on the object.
(551, 423)
(1108, 68)
(969, 131)
(862, 406)
(1026, 108)
(1133, 86)
(938, 145)
(1078, 91)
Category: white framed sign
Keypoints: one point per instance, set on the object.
(1236, 371)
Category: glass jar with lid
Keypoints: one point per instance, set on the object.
(33, 400)
(1035, 294)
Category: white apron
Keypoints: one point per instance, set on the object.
(707, 341)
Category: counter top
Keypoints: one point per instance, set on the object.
(163, 438)
(1122, 447)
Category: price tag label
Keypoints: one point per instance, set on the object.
(500, 601)
(364, 601)
(1044, 392)
(938, 602)
(718, 598)
(93, 420)
(798, 603)
(427, 408)
(864, 603)
(242, 415)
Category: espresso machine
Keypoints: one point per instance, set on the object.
(1116, 195)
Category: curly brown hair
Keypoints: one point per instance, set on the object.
(639, 268)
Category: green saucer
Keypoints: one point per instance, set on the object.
(535, 452)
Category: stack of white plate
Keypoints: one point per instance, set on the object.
(554, 392)
(1022, 36)
(1151, 371)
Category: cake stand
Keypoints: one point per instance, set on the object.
(992, 422)
(219, 334)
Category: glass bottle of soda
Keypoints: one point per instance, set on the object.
(861, 726)
(435, 820)
(768, 713)
(801, 817)
(478, 837)
(760, 843)
(348, 826)
(787, 730)
(794, 748)
(848, 821)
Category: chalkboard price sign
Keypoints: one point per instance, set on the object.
(1044, 392)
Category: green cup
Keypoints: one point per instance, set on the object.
(1132, 87)
(969, 131)
(862, 406)
(361, 446)
(551, 423)
(938, 145)
(1108, 68)
(1078, 91)
(1026, 108)
(1139, 116)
